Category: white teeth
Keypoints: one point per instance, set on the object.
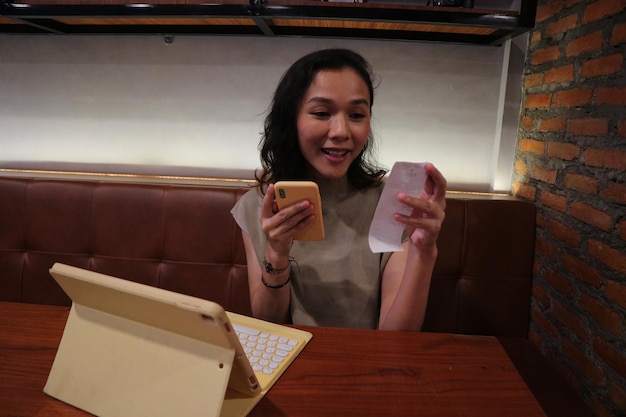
(334, 153)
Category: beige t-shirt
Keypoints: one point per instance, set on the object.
(336, 281)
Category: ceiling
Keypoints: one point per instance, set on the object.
(310, 18)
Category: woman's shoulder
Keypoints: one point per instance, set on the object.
(252, 195)
(246, 209)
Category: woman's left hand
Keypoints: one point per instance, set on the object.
(424, 222)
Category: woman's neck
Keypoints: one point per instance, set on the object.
(333, 190)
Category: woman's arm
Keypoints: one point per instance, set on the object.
(270, 304)
(407, 275)
(405, 287)
(268, 280)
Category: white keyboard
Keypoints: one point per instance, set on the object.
(265, 350)
(269, 347)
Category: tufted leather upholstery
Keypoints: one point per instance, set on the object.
(184, 239)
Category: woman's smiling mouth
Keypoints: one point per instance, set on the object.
(335, 154)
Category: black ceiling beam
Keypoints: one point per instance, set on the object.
(449, 16)
(40, 18)
(122, 10)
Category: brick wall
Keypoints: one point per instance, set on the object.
(571, 161)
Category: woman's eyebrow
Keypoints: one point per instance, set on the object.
(324, 100)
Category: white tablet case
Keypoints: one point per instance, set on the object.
(133, 350)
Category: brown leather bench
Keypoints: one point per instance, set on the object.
(184, 239)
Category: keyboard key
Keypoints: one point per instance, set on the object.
(246, 330)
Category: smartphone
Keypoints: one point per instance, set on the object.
(291, 192)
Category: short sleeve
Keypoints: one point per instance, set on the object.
(246, 211)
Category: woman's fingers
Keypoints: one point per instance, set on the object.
(285, 223)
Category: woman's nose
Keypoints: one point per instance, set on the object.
(339, 128)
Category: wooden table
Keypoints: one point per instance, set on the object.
(340, 373)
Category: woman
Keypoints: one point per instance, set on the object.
(318, 129)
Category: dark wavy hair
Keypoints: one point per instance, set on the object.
(281, 157)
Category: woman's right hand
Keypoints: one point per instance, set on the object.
(281, 226)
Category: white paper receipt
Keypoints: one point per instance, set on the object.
(385, 232)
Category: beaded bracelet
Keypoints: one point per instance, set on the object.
(269, 268)
(275, 287)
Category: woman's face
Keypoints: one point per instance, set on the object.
(333, 122)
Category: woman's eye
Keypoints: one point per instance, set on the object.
(321, 114)
(358, 116)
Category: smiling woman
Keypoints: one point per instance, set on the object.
(333, 122)
(318, 129)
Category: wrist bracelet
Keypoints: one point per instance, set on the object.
(269, 268)
(273, 271)
(274, 287)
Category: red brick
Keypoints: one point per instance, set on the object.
(540, 295)
(556, 124)
(606, 65)
(591, 42)
(534, 338)
(533, 80)
(528, 123)
(614, 96)
(533, 146)
(571, 320)
(536, 101)
(583, 363)
(540, 220)
(621, 229)
(563, 368)
(581, 183)
(520, 167)
(525, 191)
(548, 10)
(605, 158)
(535, 37)
(608, 318)
(598, 407)
(564, 234)
(549, 54)
(582, 270)
(547, 249)
(558, 283)
(565, 151)
(591, 215)
(615, 192)
(559, 75)
(618, 36)
(610, 354)
(554, 201)
(616, 292)
(573, 98)
(562, 25)
(602, 8)
(621, 128)
(617, 394)
(544, 324)
(611, 257)
(588, 127)
(543, 174)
